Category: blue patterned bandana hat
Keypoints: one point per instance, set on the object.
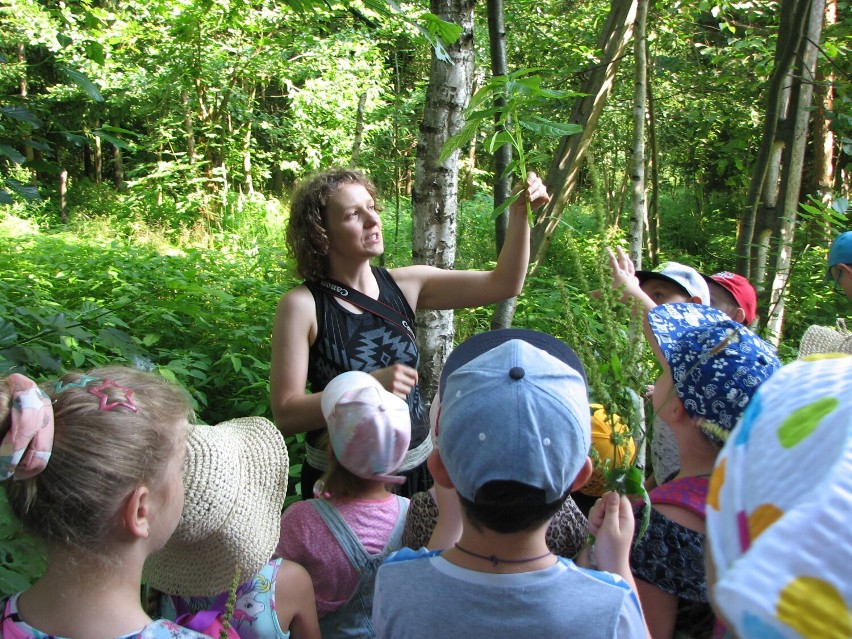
(716, 363)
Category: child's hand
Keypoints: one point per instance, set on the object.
(623, 274)
(611, 522)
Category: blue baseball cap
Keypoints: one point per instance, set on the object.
(514, 412)
(839, 253)
(716, 363)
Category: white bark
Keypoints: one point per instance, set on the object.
(435, 193)
(637, 159)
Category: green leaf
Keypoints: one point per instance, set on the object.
(117, 129)
(454, 143)
(150, 339)
(546, 127)
(116, 142)
(446, 31)
(498, 139)
(82, 81)
(11, 581)
(23, 114)
(29, 193)
(505, 205)
(8, 334)
(73, 138)
(12, 153)
(167, 374)
(94, 51)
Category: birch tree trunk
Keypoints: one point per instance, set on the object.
(823, 178)
(565, 166)
(654, 161)
(794, 15)
(796, 137)
(504, 311)
(637, 158)
(434, 197)
(359, 130)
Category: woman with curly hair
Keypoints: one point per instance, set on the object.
(334, 232)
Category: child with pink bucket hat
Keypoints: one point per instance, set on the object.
(343, 535)
(779, 507)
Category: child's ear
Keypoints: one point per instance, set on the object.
(583, 475)
(137, 511)
(439, 472)
(695, 300)
(739, 315)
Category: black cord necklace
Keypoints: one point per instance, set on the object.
(496, 560)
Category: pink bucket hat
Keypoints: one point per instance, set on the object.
(369, 428)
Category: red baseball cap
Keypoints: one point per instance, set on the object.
(741, 289)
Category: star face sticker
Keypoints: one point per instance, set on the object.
(106, 405)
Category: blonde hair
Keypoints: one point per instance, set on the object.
(338, 481)
(99, 456)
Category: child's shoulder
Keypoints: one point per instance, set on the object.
(409, 554)
(165, 629)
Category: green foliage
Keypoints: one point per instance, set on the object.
(22, 559)
(508, 103)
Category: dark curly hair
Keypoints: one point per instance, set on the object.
(307, 239)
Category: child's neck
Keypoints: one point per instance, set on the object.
(376, 491)
(484, 550)
(80, 598)
(697, 453)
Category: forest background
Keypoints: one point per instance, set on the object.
(148, 149)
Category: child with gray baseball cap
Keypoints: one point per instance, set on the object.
(513, 439)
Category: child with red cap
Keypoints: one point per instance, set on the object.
(734, 295)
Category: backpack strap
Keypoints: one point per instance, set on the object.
(690, 493)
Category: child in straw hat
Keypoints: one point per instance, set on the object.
(343, 534)
(93, 464)
(218, 558)
(779, 508)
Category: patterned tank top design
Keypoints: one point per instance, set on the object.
(348, 341)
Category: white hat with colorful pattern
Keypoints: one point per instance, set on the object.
(779, 507)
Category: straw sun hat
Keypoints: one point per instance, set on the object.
(822, 339)
(236, 480)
